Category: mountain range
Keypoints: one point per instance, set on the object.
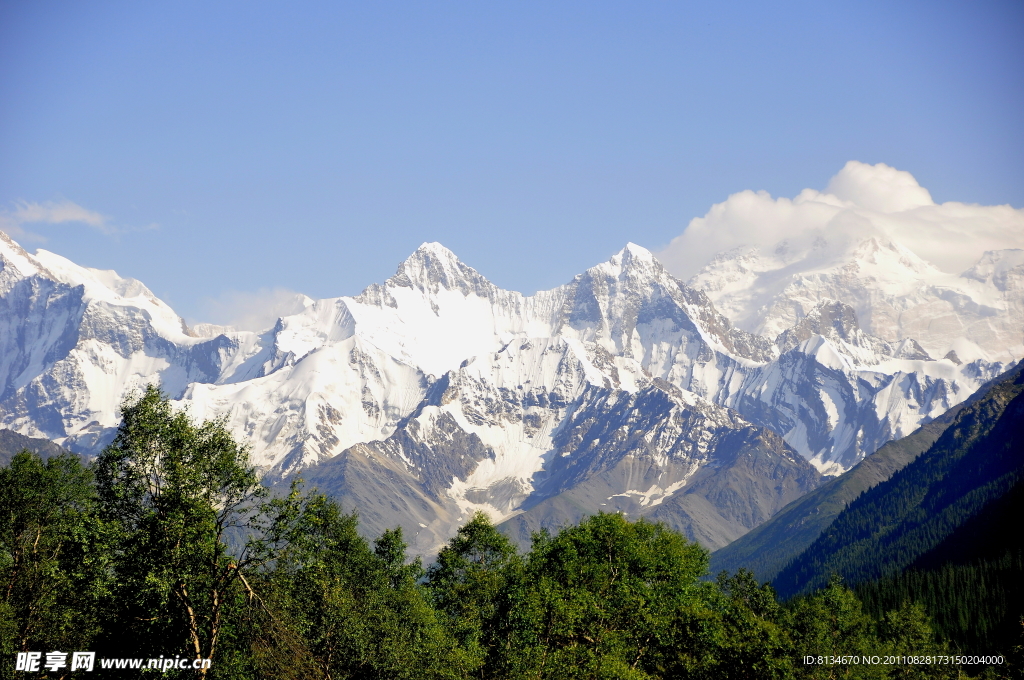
(437, 393)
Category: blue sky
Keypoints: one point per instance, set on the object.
(230, 146)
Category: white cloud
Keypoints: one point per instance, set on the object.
(253, 310)
(54, 212)
(50, 212)
(13, 220)
(859, 201)
(879, 188)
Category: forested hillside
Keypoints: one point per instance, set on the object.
(971, 583)
(771, 546)
(943, 531)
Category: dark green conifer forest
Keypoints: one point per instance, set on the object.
(168, 546)
(945, 531)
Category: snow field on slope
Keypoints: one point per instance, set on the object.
(895, 293)
(368, 389)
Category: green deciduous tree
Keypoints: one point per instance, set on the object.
(176, 491)
(831, 622)
(608, 598)
(359, 610)
(53, 569)
(467, 584)
(908, 631)
(752, 640)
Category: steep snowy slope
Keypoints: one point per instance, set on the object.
(73, 340)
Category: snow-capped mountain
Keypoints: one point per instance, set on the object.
(948, 275)
(373, 358)
(73, 340)
(897, 295)
(436, 393)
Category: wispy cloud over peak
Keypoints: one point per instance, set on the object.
(253, 310)
(26, 213)
(55, 212)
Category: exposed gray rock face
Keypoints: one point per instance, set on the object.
(658, 452)
(12, 443)
(699, 468)
(402, 480)
(832, 320)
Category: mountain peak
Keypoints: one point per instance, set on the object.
(432, 267)
(633, 262)
(895, 259)
(14, 255)
(829, 318)
(434, 249)
(632, 250)
(994, 266)
(837, 321)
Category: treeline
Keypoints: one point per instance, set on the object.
(972, 583)
(168, 546)
(975, 605)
